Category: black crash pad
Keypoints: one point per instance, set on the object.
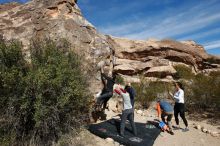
(147, 133)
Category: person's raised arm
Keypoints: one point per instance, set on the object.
(101, 70)
(170, 95)
(117, 91)
(103, 80)
(106, 77)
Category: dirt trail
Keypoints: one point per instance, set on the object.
(193, 137)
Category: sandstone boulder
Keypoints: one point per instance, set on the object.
(204, 130)
(215, 134)
(110, 140)
(55, 20)
(139, 112)
(155, 58)
(198, 127)
(163, 71)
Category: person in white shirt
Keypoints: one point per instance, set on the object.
(128, 111)
(179, 107)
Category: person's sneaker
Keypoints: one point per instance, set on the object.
(186, 129)
(176, 127)
(171, 132)
(122, 135)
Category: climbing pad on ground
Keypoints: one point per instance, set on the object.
(147, 132)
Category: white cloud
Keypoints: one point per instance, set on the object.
(177, 25)
(201, 35)
(167, 24)
(212, 45)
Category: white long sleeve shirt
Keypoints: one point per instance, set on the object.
(126, 98)
(179, 96)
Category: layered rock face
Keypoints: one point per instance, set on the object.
(153, 58)
(57, 19)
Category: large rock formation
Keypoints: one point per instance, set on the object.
(153, 58)
(56, 19)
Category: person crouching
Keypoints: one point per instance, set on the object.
(165, 109)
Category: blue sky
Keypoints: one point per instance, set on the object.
(6, 1)
(197, 20)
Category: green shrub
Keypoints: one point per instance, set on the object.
(183, 72)
(12, 72)
(201, 91)
(119, 80)
(43, 99)
(205, 90)
(148, 91)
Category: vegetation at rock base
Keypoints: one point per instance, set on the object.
(119, 80)
(148, 91)
(42, 98)
(202, 92)
(183, 72)
(205, 91)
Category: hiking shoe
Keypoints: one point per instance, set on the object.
(176, 127)
(171, 132)
(186, 129)
(122, 134)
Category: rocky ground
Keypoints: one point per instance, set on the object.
(201, 133)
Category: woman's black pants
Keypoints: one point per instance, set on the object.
(180, 109)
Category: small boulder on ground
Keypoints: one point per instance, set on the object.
(198, 127)
(116, 143)
(139, 112)
(215, 134)
(204, 130)
(109, 139)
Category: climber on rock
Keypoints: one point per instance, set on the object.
(107, 91)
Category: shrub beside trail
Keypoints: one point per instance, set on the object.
(42, 98)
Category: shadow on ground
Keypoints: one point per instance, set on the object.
(147, 133)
